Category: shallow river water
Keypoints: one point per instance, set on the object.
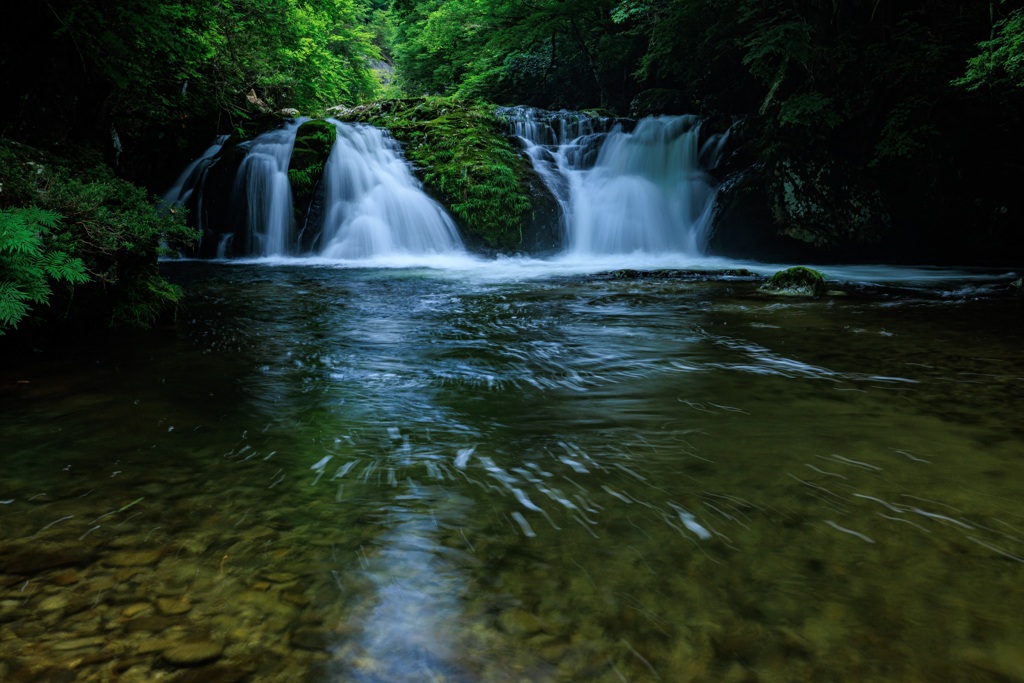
(405, 475)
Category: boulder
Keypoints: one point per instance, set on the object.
(796, 281)
(313, 144)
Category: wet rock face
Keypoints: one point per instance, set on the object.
(305, 170)
(814, 202)
(542, 224)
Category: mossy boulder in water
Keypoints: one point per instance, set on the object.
(796, 281)
(313, 144)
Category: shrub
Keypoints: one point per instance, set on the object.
(29, 262)
(95, 233)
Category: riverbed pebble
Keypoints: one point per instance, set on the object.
(193, 653)
(53, 602)
(78, 643)
(132, 558)
(173, 606)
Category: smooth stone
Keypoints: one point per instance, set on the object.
(148, 647)
(94, 658)
(173, 606)
(101, 584)
(554, 652)
(149, 624)
(296, 599)
(133, 558)
(309, 638)
(66, 578)
(518, 622)
(78, 643)
(136, 609)
(194, 653)
(53, 602)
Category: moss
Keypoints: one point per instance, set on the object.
(313, 143)
(465, 161)
(796, 281)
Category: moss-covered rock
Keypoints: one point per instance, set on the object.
(459, 151)
(796, 281)
(313, 143)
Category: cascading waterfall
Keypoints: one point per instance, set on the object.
(375, 205)
(262, 181)
(193, 176)
(644, 190)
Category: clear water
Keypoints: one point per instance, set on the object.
(513, 472)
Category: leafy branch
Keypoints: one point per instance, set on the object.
(29, 262)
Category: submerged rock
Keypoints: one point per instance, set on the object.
(173, 606)
(796, 281)
(133, 558)
(26, 558)
(310, 638)
(518, 622)
(312, 146)
(194, 653)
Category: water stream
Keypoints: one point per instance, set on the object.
(507, 471)
(392, 461)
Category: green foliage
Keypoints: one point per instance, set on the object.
(1000, 60)
(546, 52)
(91, 230)
(309, 153)
(810, 109)
(907, 133)
(464, 160)
(28, 263)
(149, 71)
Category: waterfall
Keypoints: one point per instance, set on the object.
(375, 206)
(193, 178)
(623, 192)
(262, 180)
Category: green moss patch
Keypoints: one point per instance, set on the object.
(796, 281)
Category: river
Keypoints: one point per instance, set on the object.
(515, 471)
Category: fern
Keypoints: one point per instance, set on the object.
(28, 262)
